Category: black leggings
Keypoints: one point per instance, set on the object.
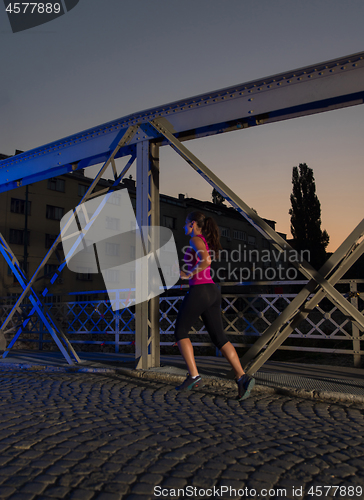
(205, 301)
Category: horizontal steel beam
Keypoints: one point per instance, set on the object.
(321, 87)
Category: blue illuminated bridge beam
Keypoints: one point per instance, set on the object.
(321, 87)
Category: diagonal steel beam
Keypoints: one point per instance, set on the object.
(317, 88)
(44, 315)
(164, 128)
(316, 278)
(336, 258)
(273, 337)
(126, 138)
(128, 135)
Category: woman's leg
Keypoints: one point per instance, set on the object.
(229, 352)
(213, 323)
(194, 303)
(186, 349)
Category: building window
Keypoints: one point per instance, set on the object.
(11, 298)
(16, 236)
(169, 222)
(18, 206)
(225, 231)
(50, 239)
(112, 249)
(53, 299)
(82, 218)
(83, 298)
(56, 184)
(22, 267)
(54, 213)
(114, 199)
(252, 241)
(224, 255)
(87, 245)
(84, 274)
(112, 223)
(239, 235)
(111, 275)
(50, 269)
(82, 189)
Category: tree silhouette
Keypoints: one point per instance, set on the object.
(306, 216)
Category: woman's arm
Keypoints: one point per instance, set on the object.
(203, 258)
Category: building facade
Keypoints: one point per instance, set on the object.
(30, 222)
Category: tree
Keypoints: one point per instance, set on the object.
(306, 216)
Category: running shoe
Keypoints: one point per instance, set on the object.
(189, 383)
(245, 385)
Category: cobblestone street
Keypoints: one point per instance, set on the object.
(107, 437)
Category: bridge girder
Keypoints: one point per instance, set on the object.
(331, 85)
(313, 89)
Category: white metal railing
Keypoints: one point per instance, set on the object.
(247, 310)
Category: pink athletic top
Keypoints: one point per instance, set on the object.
(190, 259)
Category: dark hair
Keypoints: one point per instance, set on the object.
(209, 229)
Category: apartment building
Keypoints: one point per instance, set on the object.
(30, 222)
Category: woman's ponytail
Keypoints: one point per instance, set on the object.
(209, 229)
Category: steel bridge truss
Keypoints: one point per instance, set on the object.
(320, 283)
(39, 306)
(331, 85)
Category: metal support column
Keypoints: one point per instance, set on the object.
(355, 330)
(147, 341)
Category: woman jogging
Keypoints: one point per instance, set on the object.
(204, 299)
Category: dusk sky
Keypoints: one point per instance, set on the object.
(108, 58)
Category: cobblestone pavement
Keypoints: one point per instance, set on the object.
(110, 437)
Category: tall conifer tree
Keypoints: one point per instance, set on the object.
(306, 216)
